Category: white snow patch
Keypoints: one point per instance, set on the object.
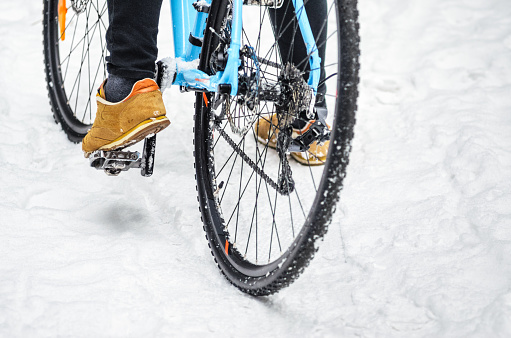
(425, 213)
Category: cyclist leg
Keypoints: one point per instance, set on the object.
(130, 104)
(132, 42)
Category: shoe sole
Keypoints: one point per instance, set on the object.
(266, 142)
(310, 162)
(136, 134)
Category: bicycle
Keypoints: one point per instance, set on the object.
(262, 212)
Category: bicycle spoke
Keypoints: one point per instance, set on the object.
(81, 40)
(82, 68)
(72, 41)
(266, 195)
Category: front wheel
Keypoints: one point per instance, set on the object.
(264, 212)
(74, 59)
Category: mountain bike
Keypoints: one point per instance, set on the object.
(263, 212)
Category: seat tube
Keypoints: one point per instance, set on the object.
(183, 15)
(193, 51)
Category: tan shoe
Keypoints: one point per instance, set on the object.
(120, 124)
(267, 130)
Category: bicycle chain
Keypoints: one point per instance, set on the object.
(285, 179)
(286, 184)
(283, 189)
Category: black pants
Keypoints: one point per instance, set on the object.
(132, 36)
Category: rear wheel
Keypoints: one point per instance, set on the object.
(264, 213)
(74, 59)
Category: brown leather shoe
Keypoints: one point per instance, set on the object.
(120, 124)
(266, 130)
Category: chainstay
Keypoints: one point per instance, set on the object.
(269, 63)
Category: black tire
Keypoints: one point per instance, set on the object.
(75, 66)
(238, 234)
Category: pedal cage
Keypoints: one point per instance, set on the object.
(114, 161)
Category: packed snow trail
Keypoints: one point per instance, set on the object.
(420, 244)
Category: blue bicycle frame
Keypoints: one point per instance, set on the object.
(183, 14)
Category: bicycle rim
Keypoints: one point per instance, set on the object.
(75, 61)
(262, 239)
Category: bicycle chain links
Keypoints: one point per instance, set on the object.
(291, 96)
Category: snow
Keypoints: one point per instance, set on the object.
(420, 244)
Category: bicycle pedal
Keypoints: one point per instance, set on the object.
(115, 161)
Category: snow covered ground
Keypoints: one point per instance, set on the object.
(420, 246)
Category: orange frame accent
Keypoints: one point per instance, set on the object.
(62, 9)
(205, 98)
